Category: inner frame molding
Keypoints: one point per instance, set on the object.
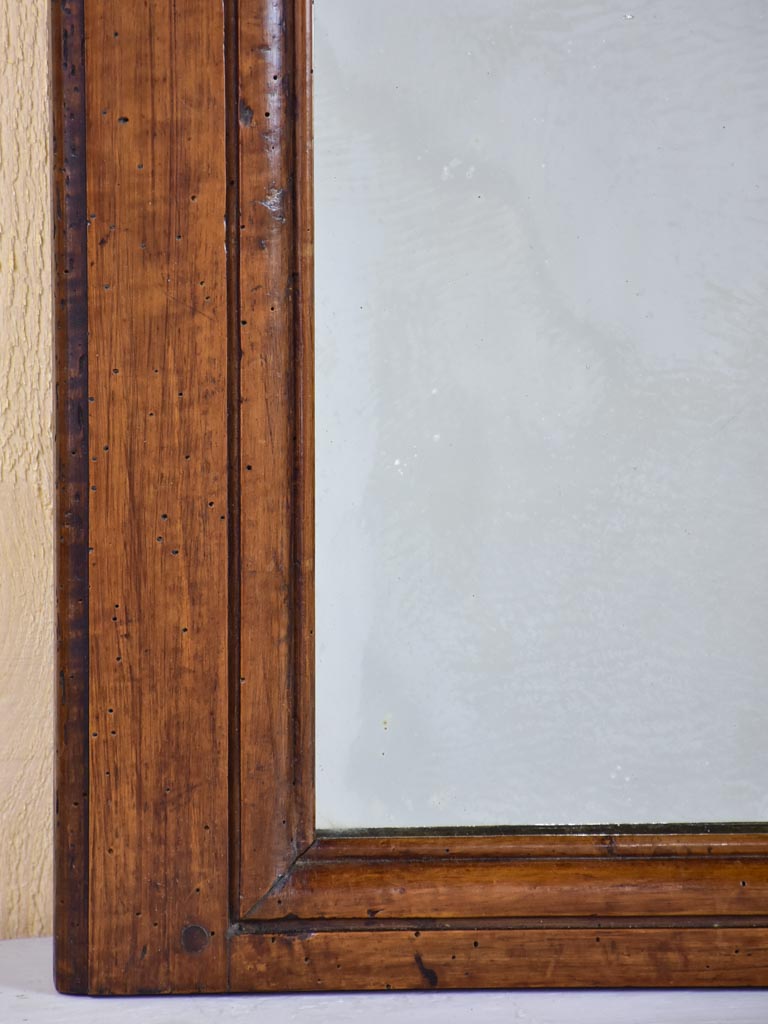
(186, 854)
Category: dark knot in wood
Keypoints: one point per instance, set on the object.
(194, 938)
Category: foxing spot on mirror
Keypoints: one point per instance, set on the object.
(542, 434)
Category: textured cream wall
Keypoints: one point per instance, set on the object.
(26, 533)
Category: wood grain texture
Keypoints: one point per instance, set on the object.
(157, 317)
(185, 489)
(71, 492)
(450, 886)
(592, 957)
(542, 843)
(276, 794)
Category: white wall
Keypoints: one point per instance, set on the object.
(26, 531)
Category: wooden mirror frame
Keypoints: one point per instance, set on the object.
(186, 854)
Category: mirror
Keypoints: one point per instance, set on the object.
(542, 437)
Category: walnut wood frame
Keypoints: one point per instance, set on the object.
(186, 855)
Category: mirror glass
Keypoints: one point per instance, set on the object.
(542, 426)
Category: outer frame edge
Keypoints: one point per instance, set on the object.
(71, 968)
(587, 956)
